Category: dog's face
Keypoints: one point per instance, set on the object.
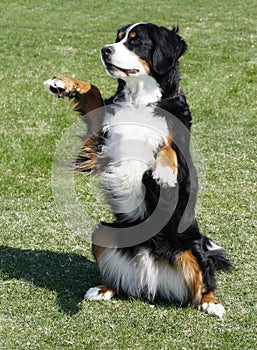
(143, 49)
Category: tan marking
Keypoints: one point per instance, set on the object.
(145, 65)
(132, 35)
(88, 100)
(192, 273)
(75, 85)
(143, 62)
(85, 96)
(91, 160)
(120, 35)
(208, 298)
(167, 157)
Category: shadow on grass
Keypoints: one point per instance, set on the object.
(70, 275)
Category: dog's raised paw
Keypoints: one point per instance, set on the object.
(213, 309)
(164, 176)
(66, 87)
(56, 87)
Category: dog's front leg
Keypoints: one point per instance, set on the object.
(86, 97)
(165, 169)
(202, 297)
(87, 101)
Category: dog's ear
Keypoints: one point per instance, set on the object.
(182, 46)
(168, 47)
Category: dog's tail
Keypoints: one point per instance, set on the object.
(216, 255)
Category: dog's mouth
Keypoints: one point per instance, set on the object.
(111, 67)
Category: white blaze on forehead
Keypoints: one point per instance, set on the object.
(128, 31)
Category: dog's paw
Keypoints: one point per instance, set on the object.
(164, 176)
(99, 293)
(66, 87)
(57, 88)
(213, 309)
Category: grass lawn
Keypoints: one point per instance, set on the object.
(45, 267)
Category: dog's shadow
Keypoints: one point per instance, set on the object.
(69, 275)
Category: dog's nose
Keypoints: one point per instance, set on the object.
(107, 51)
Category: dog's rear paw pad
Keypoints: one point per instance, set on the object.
(96, 293)
(213, 309)
(164, 176)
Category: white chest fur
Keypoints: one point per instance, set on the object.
(134, 136)
(142, 90)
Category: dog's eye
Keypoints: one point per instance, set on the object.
(135, 41)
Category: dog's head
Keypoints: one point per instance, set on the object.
(143, 49)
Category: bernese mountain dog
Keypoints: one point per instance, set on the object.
(139, 142)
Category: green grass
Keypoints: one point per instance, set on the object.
(45, 267)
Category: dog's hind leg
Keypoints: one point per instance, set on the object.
(202, 298)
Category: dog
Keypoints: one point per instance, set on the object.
(138, 140)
